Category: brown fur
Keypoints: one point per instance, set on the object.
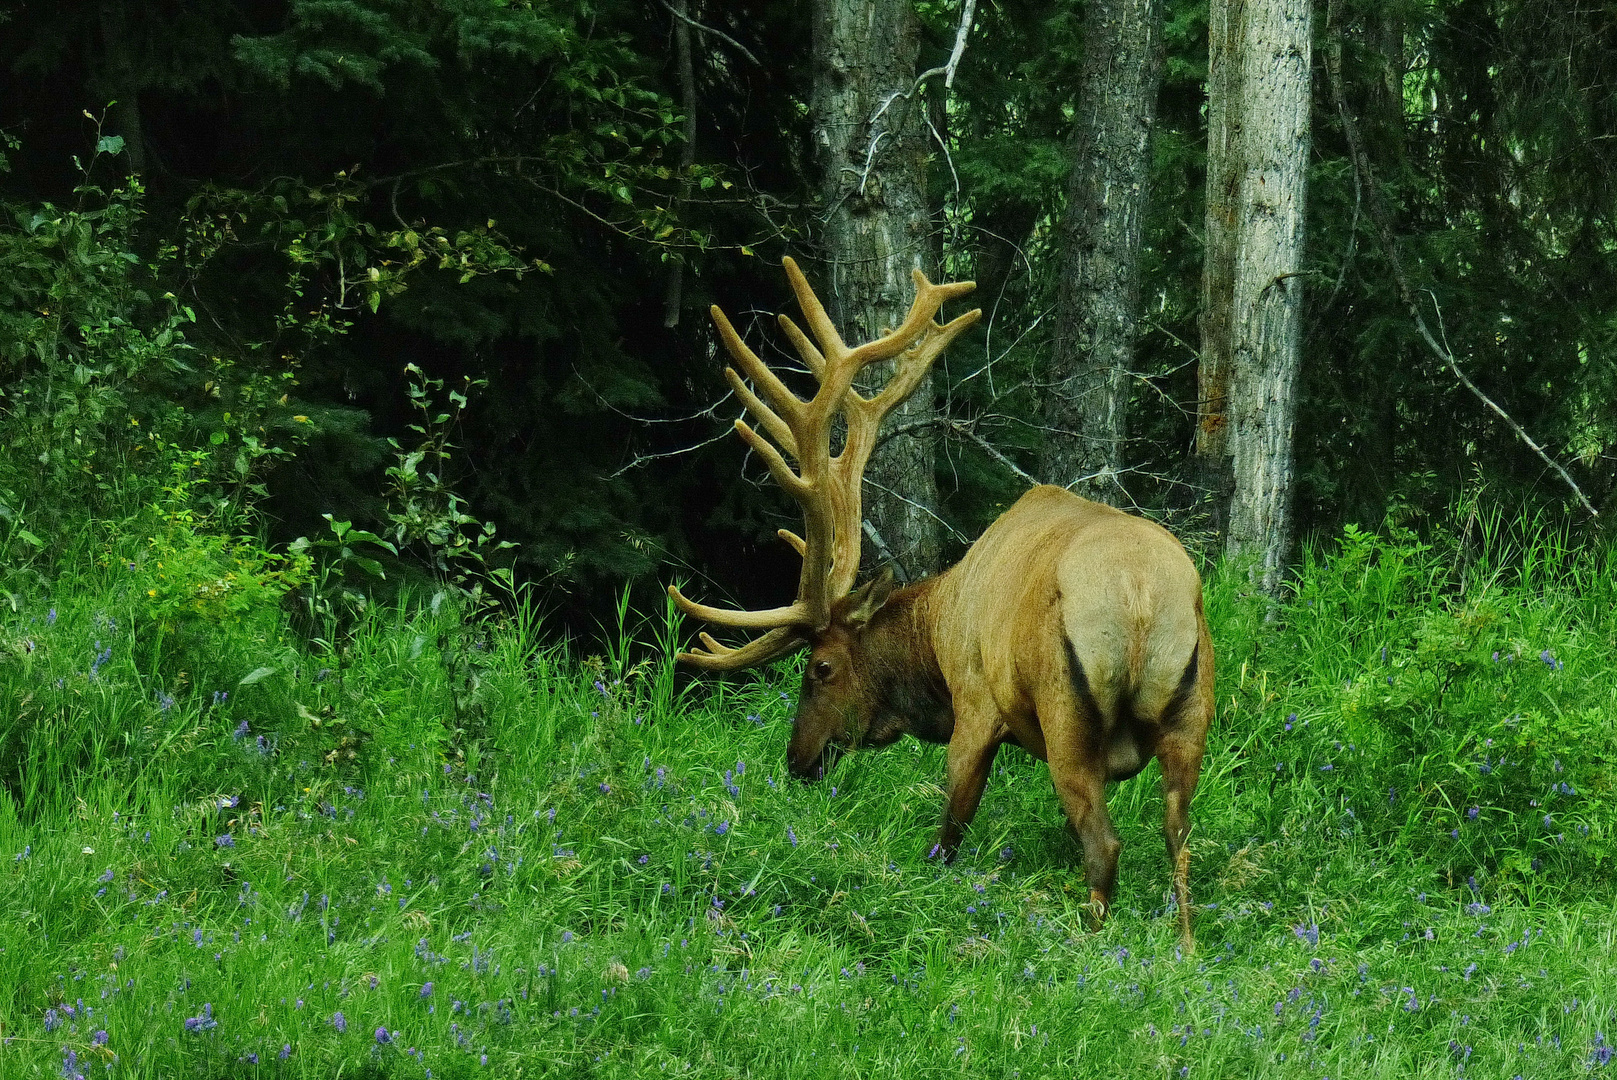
(1071, 629)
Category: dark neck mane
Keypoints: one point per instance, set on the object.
(901, 663)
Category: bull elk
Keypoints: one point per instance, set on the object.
(1070, 629)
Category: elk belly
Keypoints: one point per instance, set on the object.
(1126, 753)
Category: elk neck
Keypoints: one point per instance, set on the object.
(899, 664)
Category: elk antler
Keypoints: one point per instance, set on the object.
(827, 487)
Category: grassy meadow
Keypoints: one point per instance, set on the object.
(424, 846)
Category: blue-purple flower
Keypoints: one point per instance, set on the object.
(203, 1021)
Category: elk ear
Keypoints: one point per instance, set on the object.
(869, 598)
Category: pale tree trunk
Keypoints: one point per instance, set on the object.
(1273, 98)
(871, 145)
(1085, 408)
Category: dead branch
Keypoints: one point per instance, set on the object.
(967, 11)
(721, 35)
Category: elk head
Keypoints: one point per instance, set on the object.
(837, 707)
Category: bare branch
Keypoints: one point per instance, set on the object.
(966, 430)
(721, 35)
(967, 11)
(885, 553)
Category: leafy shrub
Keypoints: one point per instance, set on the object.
(1432, 697)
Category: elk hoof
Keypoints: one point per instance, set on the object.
(1098, 905)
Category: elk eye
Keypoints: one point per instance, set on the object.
(822, 669)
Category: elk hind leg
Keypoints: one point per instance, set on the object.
(1074, 731)
(1188, 716)
(1082, 791)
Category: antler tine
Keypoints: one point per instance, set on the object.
(928, 299)
(819, 322)
(780, 396)
(917, 360)
(778, 429)
(760, 650)
(767, 619)
(805, 348)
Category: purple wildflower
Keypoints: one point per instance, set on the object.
(203, 1021)
(426, 989)
(339, 1021)
(224, 841)
(382, 1037)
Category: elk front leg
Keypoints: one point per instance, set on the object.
(1181, 766)
(1082, 790)
(969, 763)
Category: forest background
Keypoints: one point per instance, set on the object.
(340, 201)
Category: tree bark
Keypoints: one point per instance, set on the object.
(1272, 100)
(1211, 468)
(871, 145)
(1097, 301)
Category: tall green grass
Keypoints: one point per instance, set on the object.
(491, 857)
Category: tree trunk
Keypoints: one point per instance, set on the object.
(871, 144)
(1272, 99)
(674, 294)
(1097, 303)
(119, 81)
(1211, 468)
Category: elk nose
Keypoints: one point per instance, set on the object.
(809, 772)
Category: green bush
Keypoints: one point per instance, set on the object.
(1422, 692)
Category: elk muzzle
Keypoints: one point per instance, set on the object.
(810, 754)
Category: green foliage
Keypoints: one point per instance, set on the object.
(82, 340)
(427, 514)
(1451, 693)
